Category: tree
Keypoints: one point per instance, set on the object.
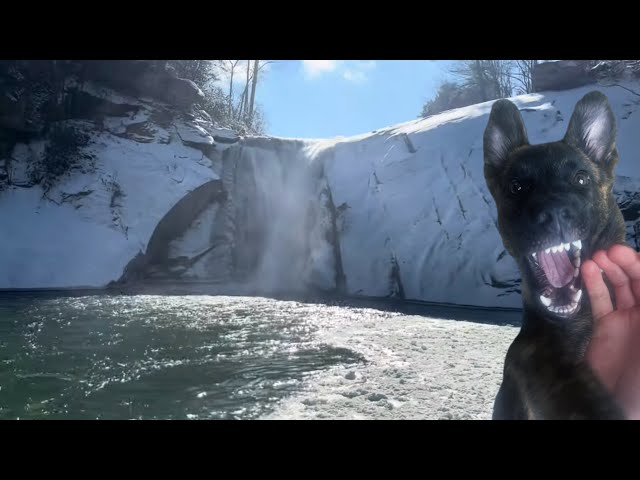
(201, 72)
(452, 95)
(254, 83)
(246, 109)
(491, 77)
(221, 105)
(243, 100)
(522, 75)
(229, 66)
(497, 78)
(225, 107)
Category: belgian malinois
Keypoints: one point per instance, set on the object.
(555, 208)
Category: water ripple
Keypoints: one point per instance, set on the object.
(161, 357)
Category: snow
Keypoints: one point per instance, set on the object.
(417, 368)
(88, 243)
(224, 134)
(191, 133)
(431, 209)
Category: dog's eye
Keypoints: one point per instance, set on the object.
(582, 178)
(515, 187)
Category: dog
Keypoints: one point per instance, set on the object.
(555, 208)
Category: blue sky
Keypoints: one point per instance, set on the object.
(328, 98)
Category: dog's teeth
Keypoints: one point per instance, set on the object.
(545, 301)
(577, 296)
(578, 244)
(534, 255)
(576, 262)
(576, 253)
(554, 249)
(547, 250)
(566, 247)
(576, 272)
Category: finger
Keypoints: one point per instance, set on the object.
(618, 278)
(598, 293)
(629, 260)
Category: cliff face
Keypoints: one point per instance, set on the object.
(93, 155)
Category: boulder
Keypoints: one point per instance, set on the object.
(561, 75)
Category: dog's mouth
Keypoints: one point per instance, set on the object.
(557, 273)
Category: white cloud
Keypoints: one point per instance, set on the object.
(315, 68)
(367, 65)
(353, 71)
(357, 71)
(354, 76)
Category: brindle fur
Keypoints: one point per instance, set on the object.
(545, 374)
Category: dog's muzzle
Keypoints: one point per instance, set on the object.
(557, 272)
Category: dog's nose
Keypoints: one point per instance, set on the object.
(553, 217)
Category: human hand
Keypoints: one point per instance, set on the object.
(614, 351)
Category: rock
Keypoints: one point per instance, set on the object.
(350, 376)
(181, 215)
(133, 270)
(142, 132)
(354, 393)
(561, 75)
(144, 77)
(82, 104)
(376, 397)
(196, 137)
(224, 135)
(182, 92)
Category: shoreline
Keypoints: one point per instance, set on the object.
(473, 313)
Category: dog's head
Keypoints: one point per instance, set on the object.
(554, 201)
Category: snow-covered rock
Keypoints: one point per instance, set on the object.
(86, 226)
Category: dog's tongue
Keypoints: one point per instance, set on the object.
(557, 267)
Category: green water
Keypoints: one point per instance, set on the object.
(156, 357)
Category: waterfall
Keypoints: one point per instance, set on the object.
(280, 225)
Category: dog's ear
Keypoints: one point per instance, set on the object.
(592, 128)
(504, 133)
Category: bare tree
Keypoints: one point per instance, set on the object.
(522, 75)
(254, 83)
(199, 71)
(229, 66)
(243, 101)
(491, 77)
